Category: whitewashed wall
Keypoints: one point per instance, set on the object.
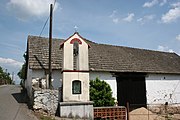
(68, 77)
(160, 88)
(163, 88)
(106, 76)
(28, 83)
(56, 76)
(82, 64)
(68, 54)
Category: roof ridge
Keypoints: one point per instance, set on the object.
(109, 45)
(43, 37)
(133, 48)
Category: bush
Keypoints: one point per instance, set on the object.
(101, 93)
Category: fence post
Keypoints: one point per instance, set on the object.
(127, 105)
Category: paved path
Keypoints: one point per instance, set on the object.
(13, 104)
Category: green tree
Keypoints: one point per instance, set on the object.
(5, 77)
(22, 72)
(101, 93)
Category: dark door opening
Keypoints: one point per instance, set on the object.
(132, 89)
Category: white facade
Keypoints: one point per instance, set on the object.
(75, 69)
(68, 78)
(161, 88)
(83, 61)
(32, 74)
(28, 82)
(107, 77)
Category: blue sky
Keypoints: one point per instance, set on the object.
(147, 24)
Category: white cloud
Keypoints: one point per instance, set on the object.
(150, 4)
(165, 49)
(115, 20)
(25, 9)
(129, 18)
(178, 37)
(145, 19)
(163, 2)
(10, 62)
(175, 4)
(154, 2)
(172, 15)
(12, 66)
(113, 14)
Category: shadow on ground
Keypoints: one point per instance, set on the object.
(21, 97)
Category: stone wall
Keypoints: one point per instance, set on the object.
(45, 100)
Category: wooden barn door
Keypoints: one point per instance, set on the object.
(131, 89)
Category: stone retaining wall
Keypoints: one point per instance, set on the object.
(45, 100)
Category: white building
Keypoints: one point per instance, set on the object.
(138, 76)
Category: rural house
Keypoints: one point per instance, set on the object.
(135, 75)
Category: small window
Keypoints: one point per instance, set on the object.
(76, 87)
(75, 55)
(76, 48)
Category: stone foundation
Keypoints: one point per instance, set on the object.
(45, 100)
(163, 109)
(76, 110)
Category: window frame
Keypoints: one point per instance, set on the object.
(73, 86)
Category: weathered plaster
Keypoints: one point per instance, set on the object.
(68, 77)
(163, 88)
(106, 76)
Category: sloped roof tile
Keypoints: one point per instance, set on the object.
(105, 57)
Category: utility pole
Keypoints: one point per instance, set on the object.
(12, 77)
(50, 45)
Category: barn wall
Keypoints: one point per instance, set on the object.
(32, 74)
(163, 88)
(28, 84)
(106, 76)
(56, 76)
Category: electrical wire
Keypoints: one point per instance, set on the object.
(54, 4)
(47, 20)
(44, 26)
(175, 88)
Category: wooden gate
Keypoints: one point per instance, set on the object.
(111, 113)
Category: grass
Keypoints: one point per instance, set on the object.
(40, 116)
(46, 118)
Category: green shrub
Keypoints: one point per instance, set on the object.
(101, 93)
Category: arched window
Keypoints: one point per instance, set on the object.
(76, 87)
(75, 54)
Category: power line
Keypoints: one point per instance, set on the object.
(54, 4)
(175, 87)
(44, 26)
(47, 20)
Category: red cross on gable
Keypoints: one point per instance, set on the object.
(75, 39)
